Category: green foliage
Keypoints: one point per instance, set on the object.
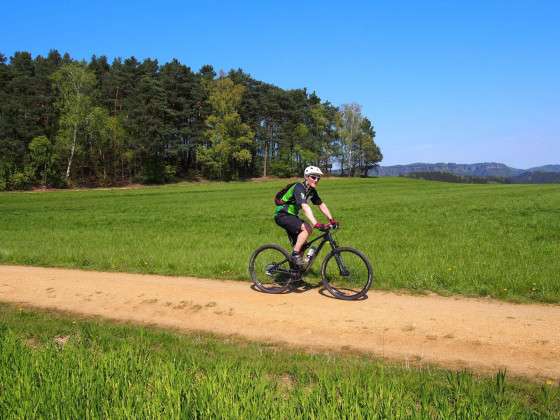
(53, 365)
(42, 160)
(282, 168)
(112, 123)
(169, 173)
(105, 143)
(5, 171)
(229, 139)
(21, 180)
(480, 240)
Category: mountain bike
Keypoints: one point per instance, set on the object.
(345, 272)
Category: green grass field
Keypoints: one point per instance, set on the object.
(53, 366)
(481, 240)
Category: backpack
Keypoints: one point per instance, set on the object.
(278, 197)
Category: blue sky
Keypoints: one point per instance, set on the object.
(443, 81)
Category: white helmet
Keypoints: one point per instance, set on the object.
(312, 170)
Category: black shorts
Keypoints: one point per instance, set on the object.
(292, 225)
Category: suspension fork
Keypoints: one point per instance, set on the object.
(341, 267)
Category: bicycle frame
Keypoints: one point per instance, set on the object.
(324, 238)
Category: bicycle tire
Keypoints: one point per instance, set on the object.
(354, 290)
(277, 282)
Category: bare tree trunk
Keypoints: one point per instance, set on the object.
(350, 146)
(361, 162)
(72, 152)
(45, 174)
(266, 148)
(265, 156)
(116, 100)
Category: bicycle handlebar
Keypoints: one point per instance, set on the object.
(330, 227)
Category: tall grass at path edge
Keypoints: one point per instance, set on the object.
(53, 366)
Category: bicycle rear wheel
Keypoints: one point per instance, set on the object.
(270, 270)
(347, 273)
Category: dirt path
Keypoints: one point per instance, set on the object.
(453, 332)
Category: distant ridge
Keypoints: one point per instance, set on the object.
(536, 177)
(469, 169)
(545, 168)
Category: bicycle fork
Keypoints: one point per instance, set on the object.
(341, 267)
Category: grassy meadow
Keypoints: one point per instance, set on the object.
(53, 366)
(480, 240)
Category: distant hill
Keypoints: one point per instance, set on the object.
(545, 168)
(462, 179)
(524, 178)
(535, 178)
(492, 169)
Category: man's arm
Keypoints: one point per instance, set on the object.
(325, 210)
(309, 213)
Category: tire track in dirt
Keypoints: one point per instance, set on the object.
(478, 334)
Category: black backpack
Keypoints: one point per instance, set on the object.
(278, 197)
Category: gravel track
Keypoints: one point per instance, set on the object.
(454, 332)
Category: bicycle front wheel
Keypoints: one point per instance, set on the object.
(347, 274)
(270, 270)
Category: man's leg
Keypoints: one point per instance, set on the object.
(298, 232)
(306, 230)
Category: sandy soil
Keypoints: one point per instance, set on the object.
(478, 334)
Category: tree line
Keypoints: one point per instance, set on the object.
(65, 122)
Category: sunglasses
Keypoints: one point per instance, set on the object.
(315, 178)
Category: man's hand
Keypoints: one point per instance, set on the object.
(333, 223)
(321, 226)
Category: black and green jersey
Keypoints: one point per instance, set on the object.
(297, 195)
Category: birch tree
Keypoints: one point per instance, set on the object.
(74, 83)
(358, 151)
(349, 130)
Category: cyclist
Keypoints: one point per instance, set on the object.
(295, 198)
